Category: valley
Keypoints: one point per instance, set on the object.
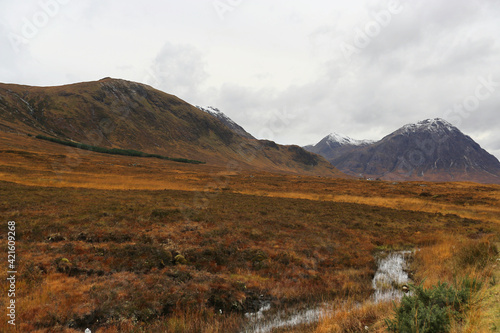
(179, 167)
(122, 244)
(138, 212)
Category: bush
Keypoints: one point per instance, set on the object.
(115, 151)
(431, 310)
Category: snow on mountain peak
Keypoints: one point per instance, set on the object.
(429, 125)
(210, 109)
(345, 140)
(218, 114)
(226, 120)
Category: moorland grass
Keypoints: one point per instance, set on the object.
(106, 258)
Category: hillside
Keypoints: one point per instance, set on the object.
(115, 113)
(227, 121)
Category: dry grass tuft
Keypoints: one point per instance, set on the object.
(356, 318)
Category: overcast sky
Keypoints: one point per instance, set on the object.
(291, 71)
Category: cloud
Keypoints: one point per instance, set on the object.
(426, 60)
(282, 60)
(179, 69)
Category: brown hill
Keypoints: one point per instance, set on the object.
(121, 114)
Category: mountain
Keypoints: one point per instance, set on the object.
(335, 145)
(226, 120)
(114, 113)
(431, 150)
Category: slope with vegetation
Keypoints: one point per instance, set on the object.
(113, 113)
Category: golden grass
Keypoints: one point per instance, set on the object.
(441, 263)
(199, 321)
(350, 317)
(296, 239)
(58, 296)
(485, 313)
(483, 212)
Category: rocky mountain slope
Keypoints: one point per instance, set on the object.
(432, 150)
(227, 121)
(335, 145)
(121, 114)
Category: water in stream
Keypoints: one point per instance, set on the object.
(265, 320)
(390, 276)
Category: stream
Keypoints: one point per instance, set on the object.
(390, 276)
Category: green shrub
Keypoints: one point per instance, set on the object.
(115, 151)
(431, 310)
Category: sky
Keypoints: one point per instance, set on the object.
(291, 71)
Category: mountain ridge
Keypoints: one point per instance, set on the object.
(114, 113)
(226, 120)
(431, 149)
(335, 145)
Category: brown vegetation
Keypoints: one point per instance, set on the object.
(118, 114)
(120, 244)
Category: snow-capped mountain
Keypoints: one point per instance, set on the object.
(434, 126)
(226, 120)
(335, 144)
(341, 139)
(431, 149)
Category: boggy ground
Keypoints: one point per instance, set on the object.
(96, 258)
(122, 244)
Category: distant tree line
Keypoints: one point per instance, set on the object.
(115, 151)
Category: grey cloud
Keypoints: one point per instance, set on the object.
(179, 70)
(420, 65)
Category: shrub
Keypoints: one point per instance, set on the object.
(33, 274)
(431, 310)
(226, 297)
(115, 151)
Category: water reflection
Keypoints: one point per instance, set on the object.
(391, 275)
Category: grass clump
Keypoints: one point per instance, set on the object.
(476, 254)
(433, 309)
